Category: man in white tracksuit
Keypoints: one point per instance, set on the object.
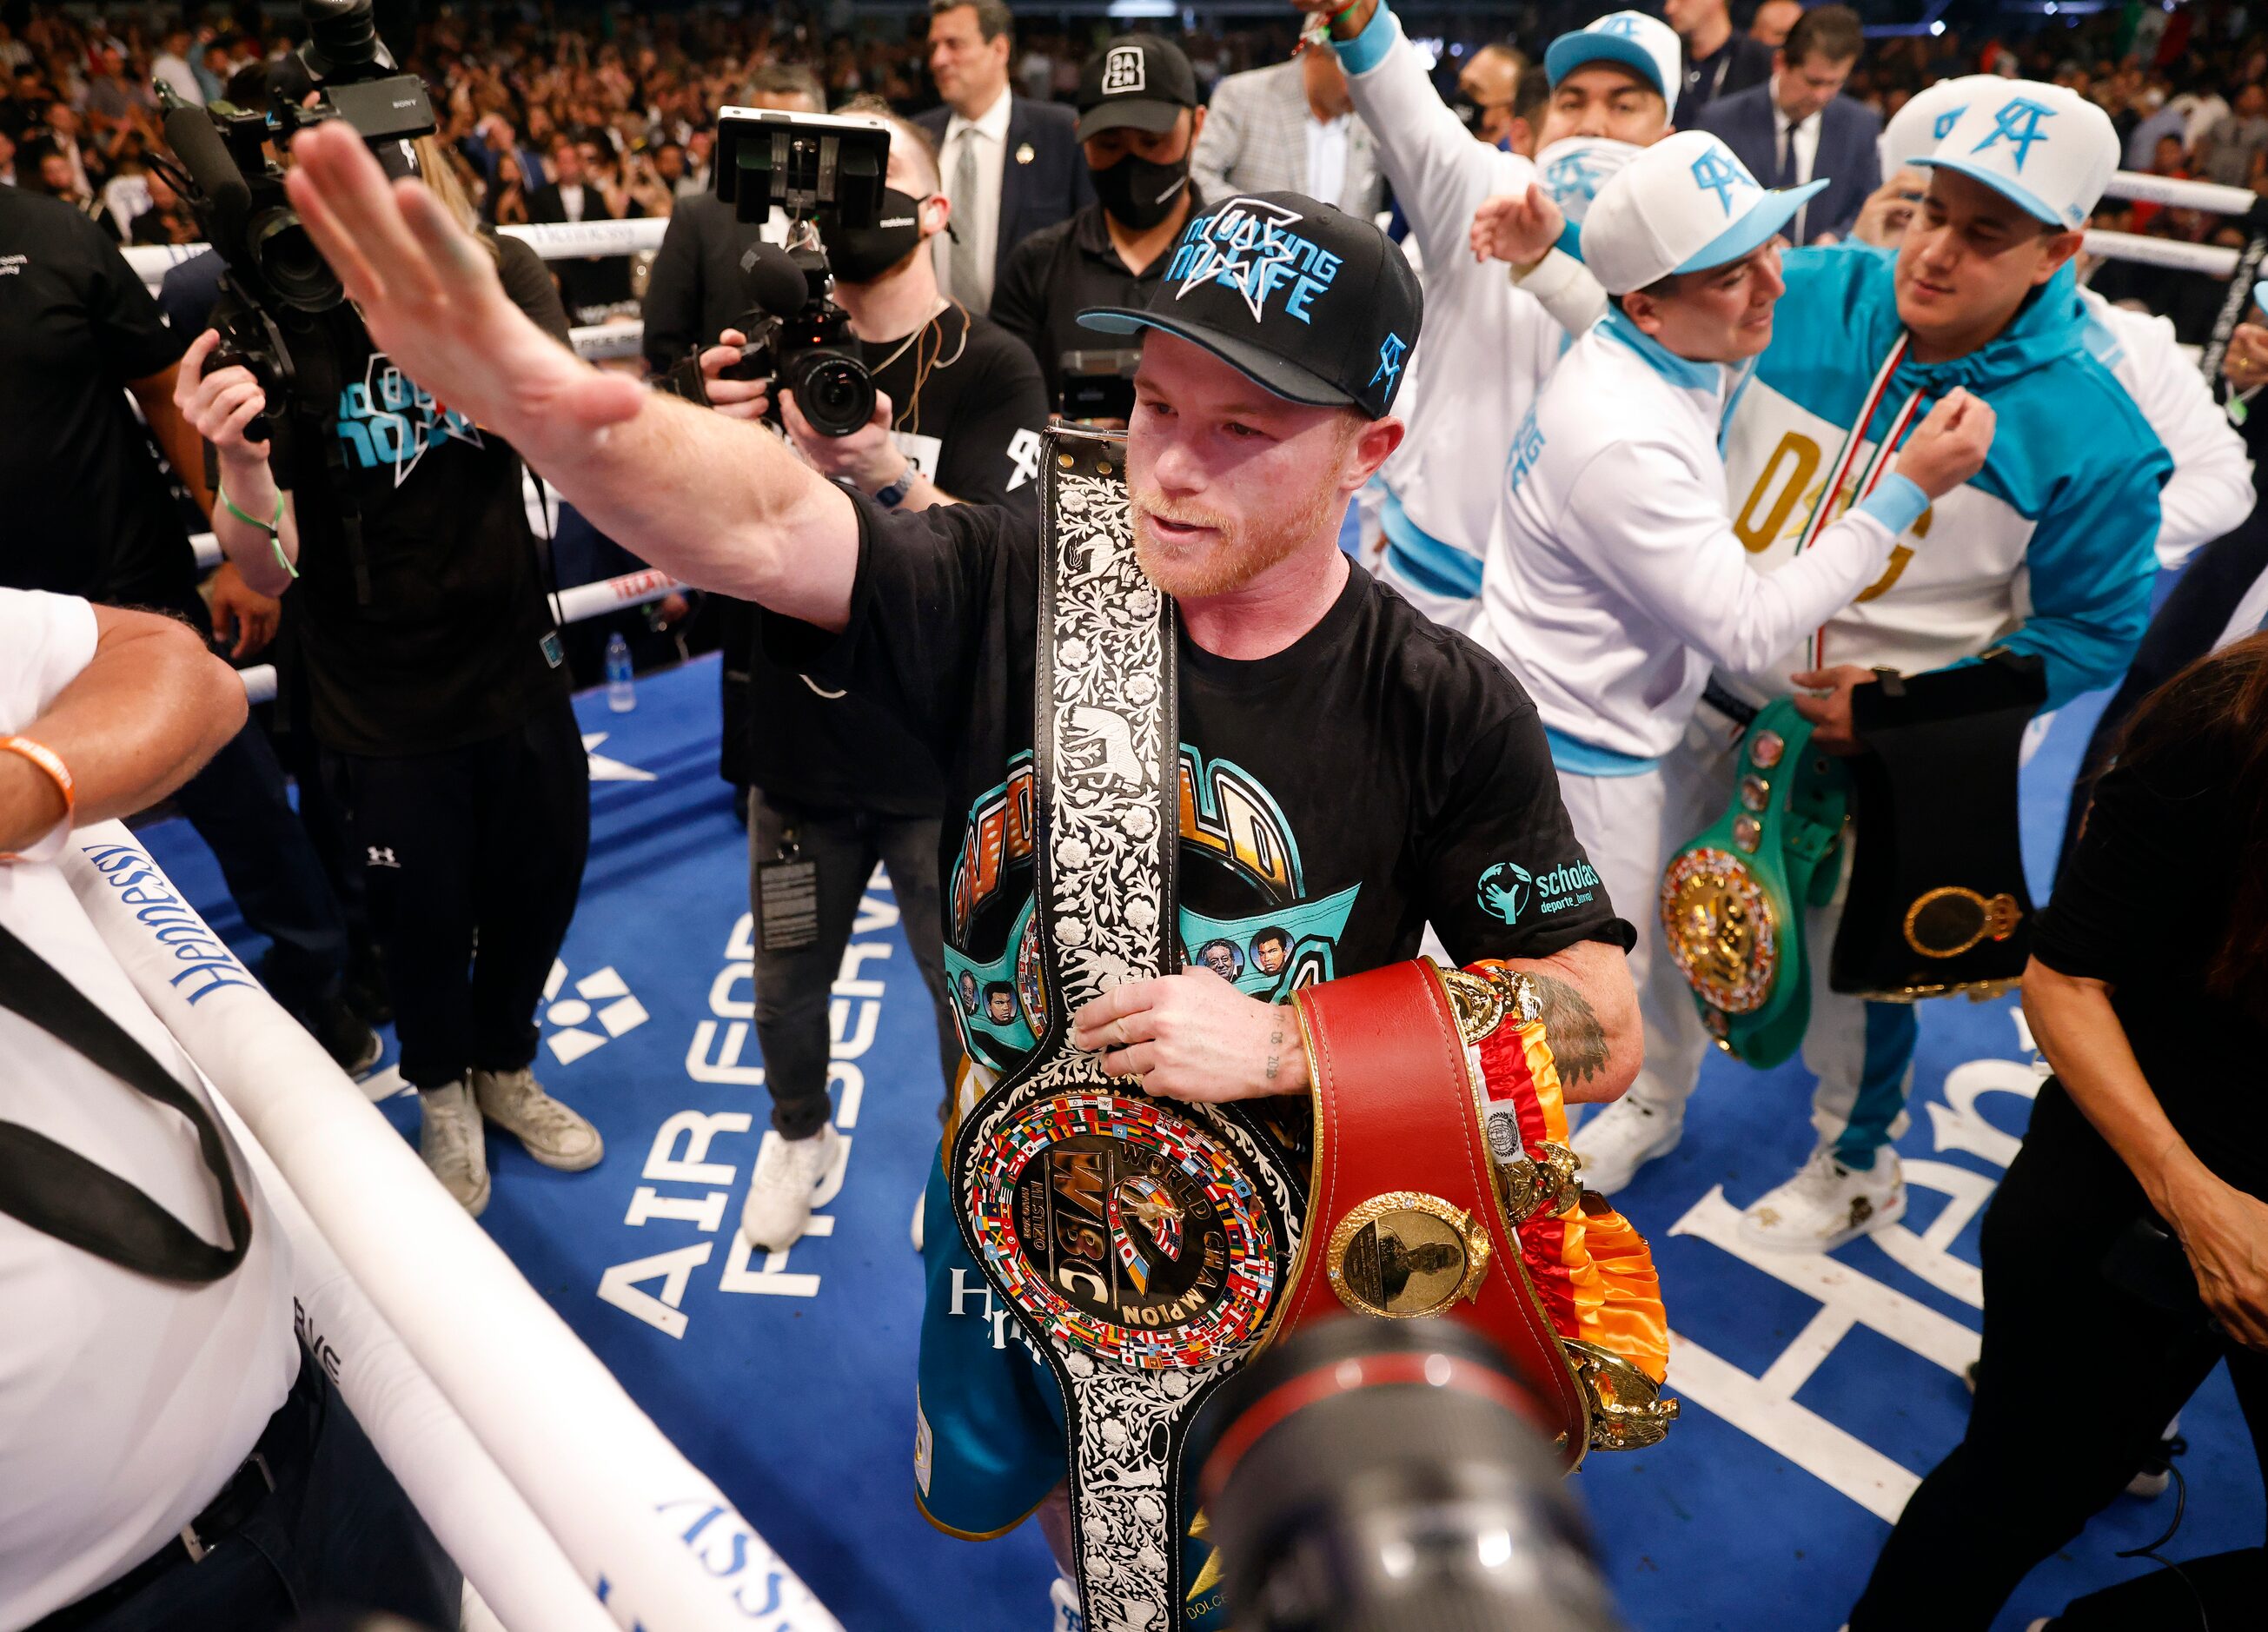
(1617, 582)
(1494, 341)
(2211, 491)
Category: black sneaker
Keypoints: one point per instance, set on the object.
(343, 1034)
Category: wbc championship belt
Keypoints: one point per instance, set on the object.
(1141, 1242)
(1442, 1185)
(1733, 900)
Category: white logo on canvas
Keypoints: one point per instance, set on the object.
(1242, 237)
(1124, 71)
(603, 996)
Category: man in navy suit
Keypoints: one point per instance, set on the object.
(1011, 166)
(1798, 126)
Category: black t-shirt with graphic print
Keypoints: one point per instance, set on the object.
(1379, 773)
(434, 631)
(967, 405)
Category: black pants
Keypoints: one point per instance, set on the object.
(793, 988)
(336, 1532)
(2077, 1380)
(480, 846)
(2186, 625)
(238, 806)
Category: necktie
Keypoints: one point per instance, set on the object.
(964, 272)
(1786, 158)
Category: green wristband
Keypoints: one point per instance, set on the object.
(1343, 16)
(273, 528)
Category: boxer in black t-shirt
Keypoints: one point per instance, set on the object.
(1410, 771)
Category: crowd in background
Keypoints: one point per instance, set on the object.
(626, 100)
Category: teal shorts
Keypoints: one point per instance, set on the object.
(989, 1418)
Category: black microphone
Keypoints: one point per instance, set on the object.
(771, 282)
(196, 142)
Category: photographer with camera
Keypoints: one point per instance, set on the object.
(837, 781)
(1138, 119)
(418, 629)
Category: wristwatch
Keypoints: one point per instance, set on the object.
(895, 494)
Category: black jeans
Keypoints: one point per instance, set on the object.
(2077, 1380)
(483, 846)
(793, 988)
(238, 806)
(337, 1532)
(2186, 625)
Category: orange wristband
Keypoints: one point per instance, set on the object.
(50, 762)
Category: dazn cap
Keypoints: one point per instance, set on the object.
(1685, 204)
(1644, 44)
(2045, 148)
(1136, 81)
(1316, 305)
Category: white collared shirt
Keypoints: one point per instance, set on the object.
(126, 1402)
(1806, 138)
(1327, 155)
(977, 220)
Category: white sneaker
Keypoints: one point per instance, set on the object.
(1826, 1204)
(554, 1135)
(1063, 1597)
(451, 1141)
(780, 1190)
(2157, 1470)
(1616, 1140)
(921, 1206)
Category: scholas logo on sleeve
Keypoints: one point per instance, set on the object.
(1248, 246)
(1506, 889)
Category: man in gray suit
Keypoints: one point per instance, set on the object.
(1291, 128)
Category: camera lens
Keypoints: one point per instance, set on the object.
(288, 259)
(1374, 1476)
(836, 394)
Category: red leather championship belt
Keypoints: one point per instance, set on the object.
(1443, 1185)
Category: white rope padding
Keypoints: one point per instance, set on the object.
(577, 604)
(659, 1543)
(2210, 197)
(2213, 260)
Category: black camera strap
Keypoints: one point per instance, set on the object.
(59, 1192)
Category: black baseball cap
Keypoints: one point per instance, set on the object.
(1136, 80)
(1316, 304)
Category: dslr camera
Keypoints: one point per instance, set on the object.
(826, 174)
(277, 284)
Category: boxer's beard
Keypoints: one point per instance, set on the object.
(1237, 552)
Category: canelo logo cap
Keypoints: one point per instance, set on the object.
(1684, 204)
(2044, 148)
(1646, 45)
(1316, 305)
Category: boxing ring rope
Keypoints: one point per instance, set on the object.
(505, 1430)
(577, 604)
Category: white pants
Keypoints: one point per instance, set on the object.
(1630, 825)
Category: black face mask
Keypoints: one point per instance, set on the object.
(1140, 193)
(1469, 112)
(861, 255)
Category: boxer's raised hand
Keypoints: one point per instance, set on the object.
(430, 296)
(1519, 228)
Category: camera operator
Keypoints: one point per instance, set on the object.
(435, 688)
(88, 513)
(838, 781)
(170, 1461)
(1138, 119)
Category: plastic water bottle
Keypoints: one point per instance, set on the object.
(622, 691)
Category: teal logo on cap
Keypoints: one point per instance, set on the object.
(1715, 172)
(2018, 121)
(1945, 121)
(1624, 23)
(1572, 175)
(1391, 351)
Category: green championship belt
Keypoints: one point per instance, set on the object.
(1733, 900)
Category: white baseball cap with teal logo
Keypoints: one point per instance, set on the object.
(1685, 204)
(1573, 169)
(1929, 115)
(2048, 149)
(1645, 45)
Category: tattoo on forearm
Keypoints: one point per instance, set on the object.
(1578, 1043)
(1275, 1051)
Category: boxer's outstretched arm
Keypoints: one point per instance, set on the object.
(721, 504)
